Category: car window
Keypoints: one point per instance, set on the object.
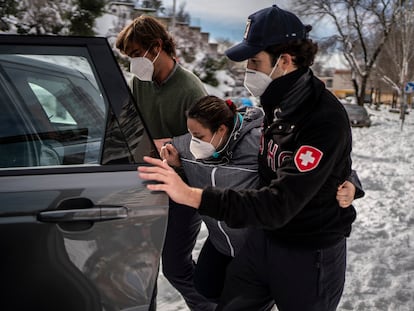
(58, 107)
(55, 112)
(65, 102)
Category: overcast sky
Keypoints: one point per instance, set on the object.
(223, 18)
(227, 18)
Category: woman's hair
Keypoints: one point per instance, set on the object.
(302, 50)
(146, 31)
(212, 112)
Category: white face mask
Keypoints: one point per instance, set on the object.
(256, 82)
(142, 67)
(202, 149)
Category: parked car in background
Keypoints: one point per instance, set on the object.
(358, 115)
(78, 229)
(348, 100)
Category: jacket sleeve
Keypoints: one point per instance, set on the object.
(354, 179)
(180, 143)
(275, 205)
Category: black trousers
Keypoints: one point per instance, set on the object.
(210, 271)
(177, 262)
(264, 273)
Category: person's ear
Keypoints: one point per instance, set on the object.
(285, 59)
(158, 46)
(222, 129)
(286, 63)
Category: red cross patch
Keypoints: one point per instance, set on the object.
(307, 158)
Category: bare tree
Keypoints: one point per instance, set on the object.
(182, 15)
(396, 62)
(362, 29)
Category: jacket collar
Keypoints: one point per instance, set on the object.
(285, 96)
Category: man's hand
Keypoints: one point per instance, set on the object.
(170, 182)
(345, 194)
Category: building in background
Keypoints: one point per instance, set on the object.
(339, 82)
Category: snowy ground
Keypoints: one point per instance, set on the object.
(380, 275)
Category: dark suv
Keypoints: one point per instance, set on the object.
(78, 228)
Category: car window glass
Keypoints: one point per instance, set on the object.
(55, 112)
(57, 107)
(65, 102)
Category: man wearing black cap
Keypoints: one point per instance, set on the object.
(296, 256)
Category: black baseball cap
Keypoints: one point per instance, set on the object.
(267, 27)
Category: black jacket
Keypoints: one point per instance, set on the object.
(304, 156)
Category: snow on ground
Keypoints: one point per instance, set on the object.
(380, 274)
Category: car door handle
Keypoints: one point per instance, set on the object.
(95, 214)
(82, 209)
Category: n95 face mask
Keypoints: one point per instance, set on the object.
(256, 82)
(201, 149)
(142, 67)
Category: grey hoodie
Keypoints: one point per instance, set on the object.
(235, 168)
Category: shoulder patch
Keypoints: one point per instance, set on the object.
(307, 158)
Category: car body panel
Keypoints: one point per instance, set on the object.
(79, 229)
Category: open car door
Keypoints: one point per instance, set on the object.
(78, 228)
